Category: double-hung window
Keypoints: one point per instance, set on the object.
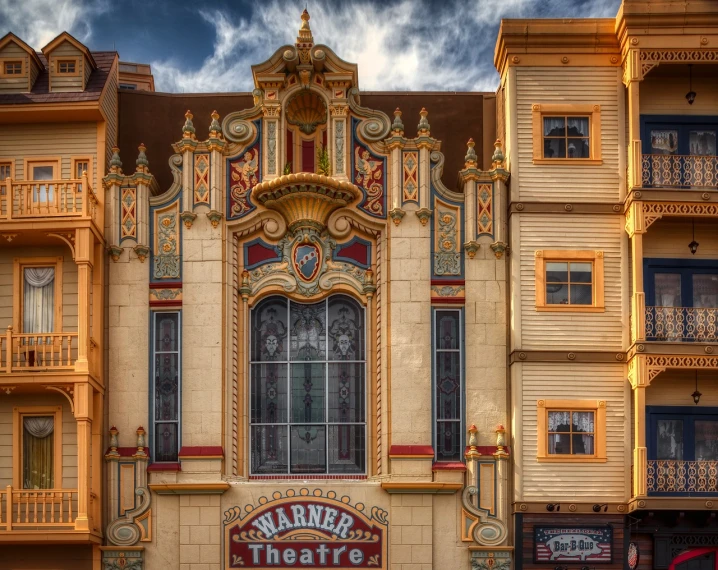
(308, 387)
(166, 365)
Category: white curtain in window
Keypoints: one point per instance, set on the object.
(557, 419)
(39, 300)
(549, 124)
(39, 426)
(578, 126)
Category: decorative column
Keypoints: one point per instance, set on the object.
(638, 377)
(632, 78)
(83, 417)
(215, 145)
(425, 144)
(83, 260)
(270, 145)
(635, 228)
(500, 177)
(186, 148)
(395, 143)
(338, 137)
(469, 176)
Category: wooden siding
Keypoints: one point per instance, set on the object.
(674, 388)
(667, 95)
(575, 85)
(670, 239)
(69, 283)
(63, 140)
(67, 83)
(69, 436)
(574, 481)
(571, 330)
(19, 83)
(109, 107)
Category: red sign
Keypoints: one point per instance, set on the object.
(305, 531)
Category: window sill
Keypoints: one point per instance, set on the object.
(158, 467)
(569, 459)
(448, 466)
(571, 309)
(308, 477)
(569, 161)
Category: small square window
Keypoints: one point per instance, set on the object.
(81, 165)
(566, 134)
(571, 430)
(12, 68)
(66, 66)
(569, 280)
(566, 137)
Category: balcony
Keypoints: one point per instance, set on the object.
(37, 509)
(22, 200)
(681, 324)
(677, 171)
(682, 477)
(37, 353)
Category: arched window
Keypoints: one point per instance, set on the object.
(308, 387)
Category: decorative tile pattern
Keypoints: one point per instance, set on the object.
(201, 179)
(410, 177)
(128, 213)
(447, 235)
(272, 147)
(484, 214)
(370, 175)
(243, 174)
(166, 259)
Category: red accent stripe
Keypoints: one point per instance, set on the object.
(448, 466)
(155, 467)
(411, 450)
(308, 476)
(167, 285)
(447, 282)
(202, 450)
(166, 303)
(448, 300)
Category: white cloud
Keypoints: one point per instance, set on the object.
(398, 45)
(37, 22)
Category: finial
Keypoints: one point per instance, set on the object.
(500, 439)
(188, 129)
(397, 125)
(305, 32)
(142, 162)
(115, 162)
(423, 123)
(141, 442)
(498, 156)
(113, 443)
(215, 129)
(305, 19)
(473, 451)
(470, 157)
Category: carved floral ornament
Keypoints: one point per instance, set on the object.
(305, 202)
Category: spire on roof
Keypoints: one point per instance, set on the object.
(305, 32)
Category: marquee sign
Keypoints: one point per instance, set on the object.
(305, 530)
(585, 544)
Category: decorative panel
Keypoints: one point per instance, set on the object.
(485, 212)
(356, 251)
(410, 176)
(271, 147)
(243, 174)
(166, 262)
(201, 179)
(369, 172)
(258, 252)
(447, 238)
(128, 213)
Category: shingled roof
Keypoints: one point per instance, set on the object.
(41, 89)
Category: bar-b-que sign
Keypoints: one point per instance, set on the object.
(587, 544)
(305, 530)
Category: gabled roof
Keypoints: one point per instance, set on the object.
(65, 37)
(10, 37)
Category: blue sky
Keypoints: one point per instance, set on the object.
(210, 46)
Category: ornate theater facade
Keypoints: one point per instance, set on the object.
(307, 327)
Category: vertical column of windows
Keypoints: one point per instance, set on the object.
(166, 364)
(448, 384)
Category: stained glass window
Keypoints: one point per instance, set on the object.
(307, 387)
(448, 384)
(166, 375)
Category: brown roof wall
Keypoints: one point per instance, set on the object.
(156, 120)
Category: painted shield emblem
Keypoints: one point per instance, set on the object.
(307, 260)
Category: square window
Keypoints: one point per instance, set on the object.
(566, 134)
(569, 280)
(66, 67)
(571, 430)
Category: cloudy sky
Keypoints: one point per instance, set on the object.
(210, 45)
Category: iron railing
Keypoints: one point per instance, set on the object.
(679, 171)
(679, 324)
(670, 476)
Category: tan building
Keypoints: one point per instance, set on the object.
(306, 321)
(610, 128)
(58, 122)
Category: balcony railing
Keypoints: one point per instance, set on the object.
(677, 171)
(664, 476)
(43, 352)
(679, 324)
(37, 509)
(23, 199)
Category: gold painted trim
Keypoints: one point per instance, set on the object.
(54, 161)
(542, 409)
(23, 68)
(189, 488)
(428, 487)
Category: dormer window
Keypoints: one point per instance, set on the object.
(12, 68)
(66, 66)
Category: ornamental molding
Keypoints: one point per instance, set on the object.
(490, 531)
(642, 369)
(641, 215)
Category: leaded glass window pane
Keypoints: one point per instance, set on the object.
(308, 387)
(448, 384)
(166, 361)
